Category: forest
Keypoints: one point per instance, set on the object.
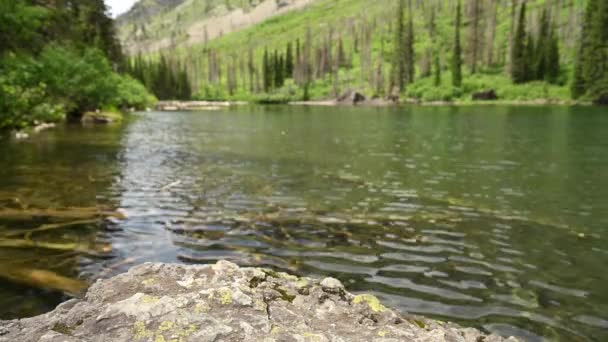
(60, 59)
(438, 50)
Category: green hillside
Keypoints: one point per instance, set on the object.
(349, 44)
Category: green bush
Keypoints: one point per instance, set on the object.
(86, 82)
(23, 101)
(62, 80)
(131, 94)
(425, 90)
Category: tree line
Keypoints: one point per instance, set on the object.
(165, 79)
(455, 40)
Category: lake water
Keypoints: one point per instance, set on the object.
(493, 217)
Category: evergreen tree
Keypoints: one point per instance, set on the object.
(540, 53)
(436, 61)
(590, 74)
(530, 59)
(552, 68)
(519, 53)
(267, 73)
(398, 74)
(289, 65)
(276, 67)
(457, 57)
(341, 54)
(410, 67)
(474, 36)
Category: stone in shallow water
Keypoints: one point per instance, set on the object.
(222, 302)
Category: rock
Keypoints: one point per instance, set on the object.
(394, 95)
(101, 118)
(21, 135)
(283, 3)
(351, 96)
(223, 302)
(602, 100)
(331, 284)
(489, 95)
(358, 98)
(43, 126)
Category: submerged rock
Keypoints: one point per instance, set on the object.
(222, 302)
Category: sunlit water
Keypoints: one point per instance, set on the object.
(493, 217)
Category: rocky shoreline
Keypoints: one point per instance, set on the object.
(223, 302)
(172, 106)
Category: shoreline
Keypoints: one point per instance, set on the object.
(172, 106)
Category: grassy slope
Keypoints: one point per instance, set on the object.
(340, 14)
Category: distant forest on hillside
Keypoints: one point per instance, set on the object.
(436, 50)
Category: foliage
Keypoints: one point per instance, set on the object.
(457, 54)
(20, 25)
(520, 52)
(354, 44)
(424, 89)
(58, 59)
(591, 70)
(168, 81)
(21, 101)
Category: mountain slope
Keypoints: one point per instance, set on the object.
(350, 44)
(153, 25)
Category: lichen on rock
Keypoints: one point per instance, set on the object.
(222, 302)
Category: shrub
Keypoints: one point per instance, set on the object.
(21, 100)
(62, 80)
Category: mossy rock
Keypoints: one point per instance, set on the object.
(102, 117)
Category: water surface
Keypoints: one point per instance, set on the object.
(492, 217)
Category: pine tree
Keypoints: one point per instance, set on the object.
(436, 61)
(552, 68)
(590, 76)
(276, 67)
(341, 55)
(410, 67)
(474, 36)
(289, 65)
(267, 73)
(540, 53)
(519, 53)
(398, 74)
(530, 59)
(457, 57)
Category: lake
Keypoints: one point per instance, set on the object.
(489, 216)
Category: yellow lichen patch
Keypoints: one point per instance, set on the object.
(159, 338)
(302, 283)
(276, 330)
(185, 332)
(201, 307)
(259, 305)
(313, 337)
(287, 276)
(147, 299)
(148, 282)
(372, 301)
(140, 332)
(166, 325)
(383, 333)
(225, 296)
